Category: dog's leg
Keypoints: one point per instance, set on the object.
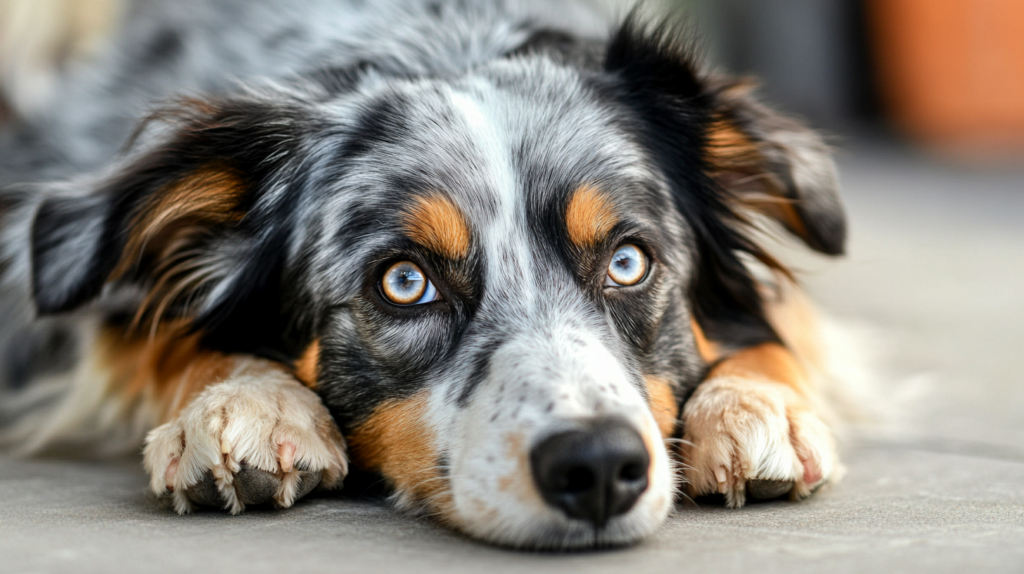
(258, 436)
(753, 428)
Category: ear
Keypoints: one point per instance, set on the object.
(761, 159)
(722, 154)
(68, 240)
(187, 219)
(774, 165)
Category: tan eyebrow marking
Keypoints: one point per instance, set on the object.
(590, 216)
(436, 223)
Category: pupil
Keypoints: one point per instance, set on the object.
(408, 280)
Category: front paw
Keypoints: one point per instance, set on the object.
(259, 437)
(754, 438)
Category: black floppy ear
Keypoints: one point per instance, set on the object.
(188, 219)
(723, 156)
(133, 228)
(774, 165)
(761, 159)
(70, 236)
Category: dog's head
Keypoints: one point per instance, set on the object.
(493, 280)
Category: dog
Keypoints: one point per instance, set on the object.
(505, 255)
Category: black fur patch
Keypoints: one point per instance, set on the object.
(655, 75)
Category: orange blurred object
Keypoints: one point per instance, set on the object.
(952, 71)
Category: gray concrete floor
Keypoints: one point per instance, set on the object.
(935, 281)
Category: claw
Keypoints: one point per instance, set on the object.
(722, 477)
(172, 469)
(812, 472)
(286, 456)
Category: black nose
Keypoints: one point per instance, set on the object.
(594, 473)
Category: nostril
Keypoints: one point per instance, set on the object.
(592, 473)
(633, 472)
(579, 479)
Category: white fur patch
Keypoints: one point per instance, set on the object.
(542, 382)
(740, 429)
(556, 367)
(261, 416)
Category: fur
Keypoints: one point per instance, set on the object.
(222, 278)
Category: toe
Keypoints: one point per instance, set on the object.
(205, 492)
(172, 469)
(722, 477)
(286, 456)
(255, 486)
(308, 480)
(812, 472)
(295, 485)
(250, 485)
(768, 489)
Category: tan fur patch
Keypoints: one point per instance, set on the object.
(779, 209)
(165, 371)
(519, 482)
(589, 217)
(794, 317)
(769, 361)
(663, 404)
(708, 351)
(436, 223)
(306, 368)
(173, 220)
(210, 195)
(396, 442)
(738, 164)
(729, 149)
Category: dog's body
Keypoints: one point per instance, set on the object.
(484, 249)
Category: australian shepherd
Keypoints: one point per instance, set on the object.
(504, 255)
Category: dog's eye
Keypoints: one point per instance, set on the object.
(404, 283)
(628, 267)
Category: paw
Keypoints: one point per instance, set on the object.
(259, 437)
(757, 439)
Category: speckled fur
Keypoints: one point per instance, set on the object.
(334, 119)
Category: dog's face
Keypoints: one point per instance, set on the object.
(511, 262)
(491, 280)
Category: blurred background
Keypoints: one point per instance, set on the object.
(924, 100)
(945, 75)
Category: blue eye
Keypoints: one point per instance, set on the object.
(628, 267)
(404, 283)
